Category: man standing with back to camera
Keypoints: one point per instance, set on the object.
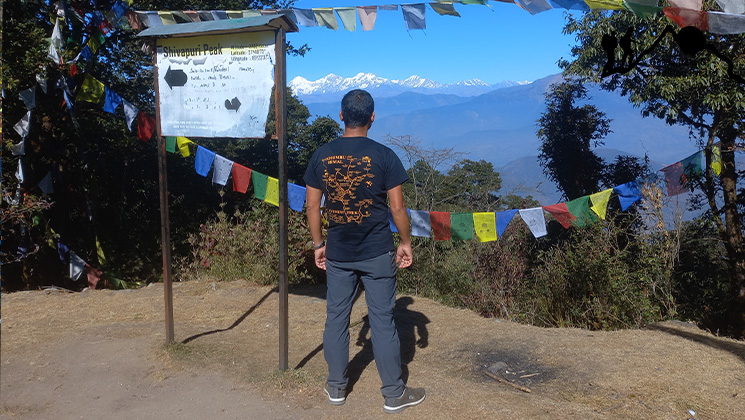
(356, 174)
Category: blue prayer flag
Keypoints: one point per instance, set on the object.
(570, 5)
(414, 16)
(63, 250)
(119, 8)
(296, 196)
(203, 160)
(86, 53)
(628, 194)
(390, 220)
(111, 101)
(503, 219)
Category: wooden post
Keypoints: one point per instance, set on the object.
(280, 111)
(165, 226)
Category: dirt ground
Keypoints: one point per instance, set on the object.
(101, 355)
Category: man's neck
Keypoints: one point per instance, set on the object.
(355, 131)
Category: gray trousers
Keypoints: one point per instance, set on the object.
(379, 278)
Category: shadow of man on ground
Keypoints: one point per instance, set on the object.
(736, 348)
(408, 324)
(237, 321)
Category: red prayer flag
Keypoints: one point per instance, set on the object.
(688, 17)
(94, 278)
(104, 27)
(440, 221)
(561, 213)
(241, 178)
(134, 20)
(73, 69)
(193, 15)
(145, 126)
(674, 179)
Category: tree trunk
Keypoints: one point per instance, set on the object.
(733, 238)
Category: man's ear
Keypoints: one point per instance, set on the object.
(372, 117)
(341, 117)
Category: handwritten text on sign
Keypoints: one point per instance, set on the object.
(216, 86)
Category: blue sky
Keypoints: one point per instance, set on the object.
(494, 44)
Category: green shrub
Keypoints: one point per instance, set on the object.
(702, 279)
(587, 281)
(244, 246)
(441, 270)
(500, 269)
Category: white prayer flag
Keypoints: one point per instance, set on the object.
(28, 97)
(19, 149)
(130, 113)
(19, 172)
(77, 266)
(535, 220)
(21, 126)
(223, 167)
(46, 185)
(726, 23)
(732, 6)
(42, 83)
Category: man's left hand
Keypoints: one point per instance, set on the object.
(320, 258)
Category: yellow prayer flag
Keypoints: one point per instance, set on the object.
(91, 90)
(600, 202)
(605, 4)
(99, 253)
(167, 18)
(183, 145)
(485, 225)
(716, 160)
(93, 43)
(272, 191)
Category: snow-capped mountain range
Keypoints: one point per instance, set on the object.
(332, 87)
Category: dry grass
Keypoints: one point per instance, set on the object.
(231, 329)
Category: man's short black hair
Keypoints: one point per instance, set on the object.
(357, 108)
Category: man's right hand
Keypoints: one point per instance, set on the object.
(404, 255)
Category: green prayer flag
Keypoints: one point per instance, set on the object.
(580, 208)
(444, 9)
(642, 8)
(692, 165)
(260, 181)
(170, 144)
(461, 226)
(348, 16)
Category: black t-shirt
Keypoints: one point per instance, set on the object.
(355, 174)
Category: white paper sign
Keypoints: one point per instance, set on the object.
(216, 86)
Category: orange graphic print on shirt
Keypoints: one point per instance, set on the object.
(345, 177)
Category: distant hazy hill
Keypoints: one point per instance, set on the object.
(500, 125)
(524, 176)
